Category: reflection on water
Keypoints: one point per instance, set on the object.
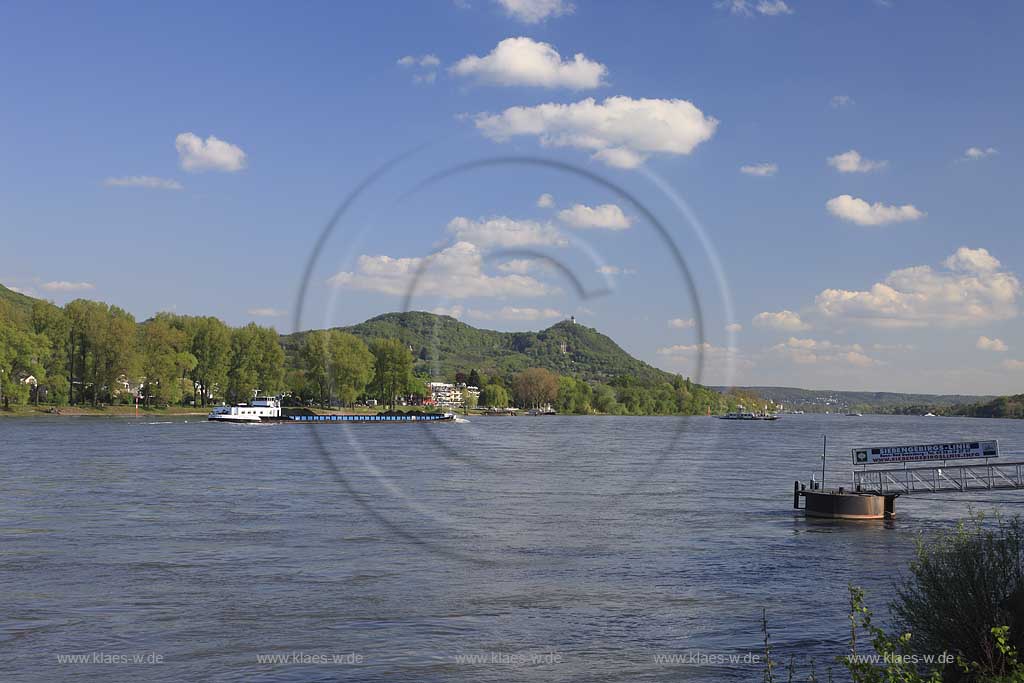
(608, 542)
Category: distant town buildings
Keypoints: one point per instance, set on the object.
(446, 395)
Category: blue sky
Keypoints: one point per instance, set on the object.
(853, 165)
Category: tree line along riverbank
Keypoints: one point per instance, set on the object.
(91, 354)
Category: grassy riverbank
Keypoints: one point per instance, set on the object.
(109, 411)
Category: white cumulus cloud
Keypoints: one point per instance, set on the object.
(773, 7)
(748, 8)
(841, 101)
(525, 62)
(860, 212)
(545, 201)
(780, 320)
(527, 313)
(986, 344)
(427, 60)
(975, 153)
(425, 64)
(212, 154)
(720, 363)
(760, 169)
(853, 162)
(606, 216)
(455, 311)
(536, 11)
(814, 351)
(734, 327)
(967, 260)
(1011, 364)
(65, 286)
(266, 312)
(972, 290)
(147, 181)
(456, 272)
(682, 323)
(620, 131)
(501, 231)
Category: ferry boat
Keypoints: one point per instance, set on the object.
(738, 415)
(543, 410)
(743, 414)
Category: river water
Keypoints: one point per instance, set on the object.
(501, 549)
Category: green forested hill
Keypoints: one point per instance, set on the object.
(1003, 406)
(15, 302)
(444, 345)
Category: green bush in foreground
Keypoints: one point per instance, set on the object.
(963, 584)
(959, 614)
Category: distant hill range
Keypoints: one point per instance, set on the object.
(443, 345)
(1004, 406)
(824, 400)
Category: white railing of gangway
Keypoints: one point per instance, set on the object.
(908, 480)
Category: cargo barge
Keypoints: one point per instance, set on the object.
(264, 410)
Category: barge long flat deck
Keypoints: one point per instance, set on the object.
(268, 409)
(433, 417)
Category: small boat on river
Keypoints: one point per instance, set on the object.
(741, 414)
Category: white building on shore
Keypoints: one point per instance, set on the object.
(445, 395)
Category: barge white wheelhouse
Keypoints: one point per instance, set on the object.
(257, 410)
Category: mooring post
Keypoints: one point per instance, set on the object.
(824, 448)
(796, 495)
(889, 510)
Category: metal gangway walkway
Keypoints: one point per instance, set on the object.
(988, 476)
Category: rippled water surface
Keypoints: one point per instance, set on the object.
(594, 544)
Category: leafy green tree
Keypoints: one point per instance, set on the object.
(52, 323)
(101, 348)
(271, 373)
(535, 387)
(297, 385)
(210, 344)
(418, 387)
(574, 396)
(256, 363)
(78, 313)
(20, 353)
(351, 366)
(392, 369)
(164, 360)
(57, 389)
(604, 399)
(315, 359)
(118, 358)
(494, 396)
